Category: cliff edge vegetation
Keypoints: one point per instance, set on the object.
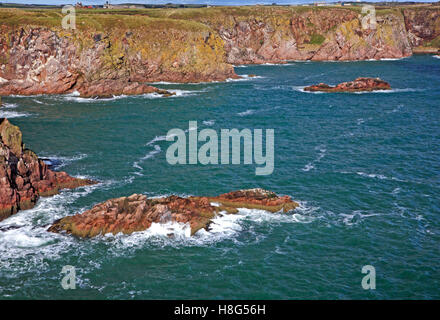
(118, 51)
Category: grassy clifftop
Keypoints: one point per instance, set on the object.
(133, 41)
(200, 44)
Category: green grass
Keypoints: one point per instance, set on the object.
(434, 43)
(317, 39)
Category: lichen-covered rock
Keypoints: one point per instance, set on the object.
(24, 177)
(137, 212)
(112, 54)
(358, 85)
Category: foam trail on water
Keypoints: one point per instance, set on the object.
(223, 227)
(246, 113)
(151, 154)
(24, 242)
(9, 105)
(61, 161)
(13, 114)
(208, 122)
(244, 77)
(311, 165)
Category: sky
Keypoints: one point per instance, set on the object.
(218, 2)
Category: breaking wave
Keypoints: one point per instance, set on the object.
(58, 162)
(311, 165)
(13, 114)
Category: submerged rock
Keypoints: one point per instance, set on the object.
(109, 88)
(137, 212)
(23, 176)
(360, 84)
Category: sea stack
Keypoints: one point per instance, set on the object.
(23, 176)
(358, 85)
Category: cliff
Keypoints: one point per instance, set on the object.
(23, 176)
(118, 51)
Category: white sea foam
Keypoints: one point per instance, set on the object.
(301, 89)
(437, 57)
(244, 77)
(24, 240)
(246, 113)
(311, 165)
(355, 217)
(9, 105)
(37, 101)
(149, 155)
(75, 98)
(223, 227)
(377, 176)
(396, 109)
(185, 93)
(396, 90)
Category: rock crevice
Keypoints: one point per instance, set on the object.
(23, 176)
(138, 213)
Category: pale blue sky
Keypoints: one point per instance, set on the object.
(219, 2)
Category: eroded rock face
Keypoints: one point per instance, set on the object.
(44, 61)
(183, 47)
(423, 25)
(358, 85)
(23, 176)
(137, 212)
(330, 34)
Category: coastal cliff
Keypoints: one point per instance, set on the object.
(138, 213)
(23, 176)
(120, 51)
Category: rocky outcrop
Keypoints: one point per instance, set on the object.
(23, 176)
(358, 85)
(137, 212)
(118, 53)
(423, 27)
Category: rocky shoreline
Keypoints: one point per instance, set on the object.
(37, 56)
(357, 85)
(23, 176)
(138, 213)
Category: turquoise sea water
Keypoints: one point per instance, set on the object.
(364, 167)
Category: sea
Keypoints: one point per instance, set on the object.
(364, 167)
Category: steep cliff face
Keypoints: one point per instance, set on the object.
(118, 52)
(350, 41)
(111, 55)
(24, 177)
(423, 26)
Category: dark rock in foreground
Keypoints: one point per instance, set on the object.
(358, 85)
(23, 176)
(137, 212)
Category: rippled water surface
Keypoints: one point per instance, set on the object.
(364, 167)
